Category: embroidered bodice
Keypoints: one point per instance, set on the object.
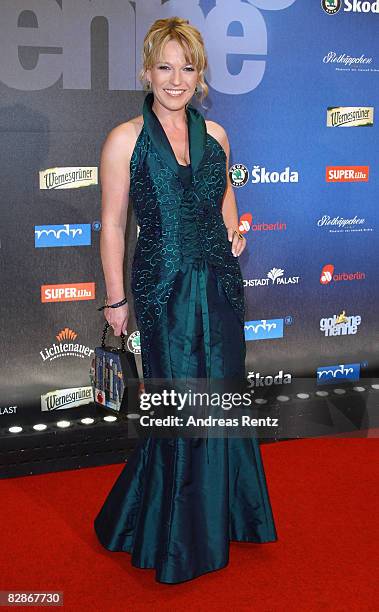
(178, 210)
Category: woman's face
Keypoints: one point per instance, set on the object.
(173, 79)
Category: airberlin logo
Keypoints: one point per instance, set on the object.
(67, 293)
(67, 347)
(346, 174)
(246, 224)
(327, 275)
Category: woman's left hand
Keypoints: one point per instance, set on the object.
(238, 244)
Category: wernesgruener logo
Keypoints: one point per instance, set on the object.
(349, 116)
(67, 178)
(66, 398)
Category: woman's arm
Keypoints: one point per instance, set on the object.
(229, 205)
(115, 183)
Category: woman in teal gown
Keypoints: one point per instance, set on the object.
(178, 502)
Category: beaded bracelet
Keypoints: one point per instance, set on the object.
(116, 305)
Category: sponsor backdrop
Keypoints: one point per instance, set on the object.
(285, 77)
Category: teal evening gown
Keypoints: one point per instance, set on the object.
(179, 502)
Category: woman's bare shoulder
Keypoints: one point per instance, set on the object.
(131, 127)
(124, 136)
(218, 132)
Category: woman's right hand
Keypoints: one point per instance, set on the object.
(118, 319)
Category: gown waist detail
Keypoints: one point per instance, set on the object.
(191, 247)
(197, 275)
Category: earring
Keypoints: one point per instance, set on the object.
(149, 84)
(196, 89)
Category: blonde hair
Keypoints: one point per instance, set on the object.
(188, 37)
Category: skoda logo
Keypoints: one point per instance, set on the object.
(331, 6)
(239, 175)
(133, 343)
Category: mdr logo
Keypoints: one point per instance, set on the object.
(61, 38)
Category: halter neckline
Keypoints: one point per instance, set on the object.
(197, 134)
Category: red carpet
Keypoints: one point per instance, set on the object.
(325, 500)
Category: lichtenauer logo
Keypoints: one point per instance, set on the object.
(67, 178)
(346, 174)
(239, 175)
(265, 329)
(66, 398)
(327, 275)
(350, 116)
(246, 224)
(340, 325)
(66, 347)
(72, 292)
(69, 234)
(337, 373)
(276, 276)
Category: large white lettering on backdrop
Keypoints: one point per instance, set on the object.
(66, 33)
